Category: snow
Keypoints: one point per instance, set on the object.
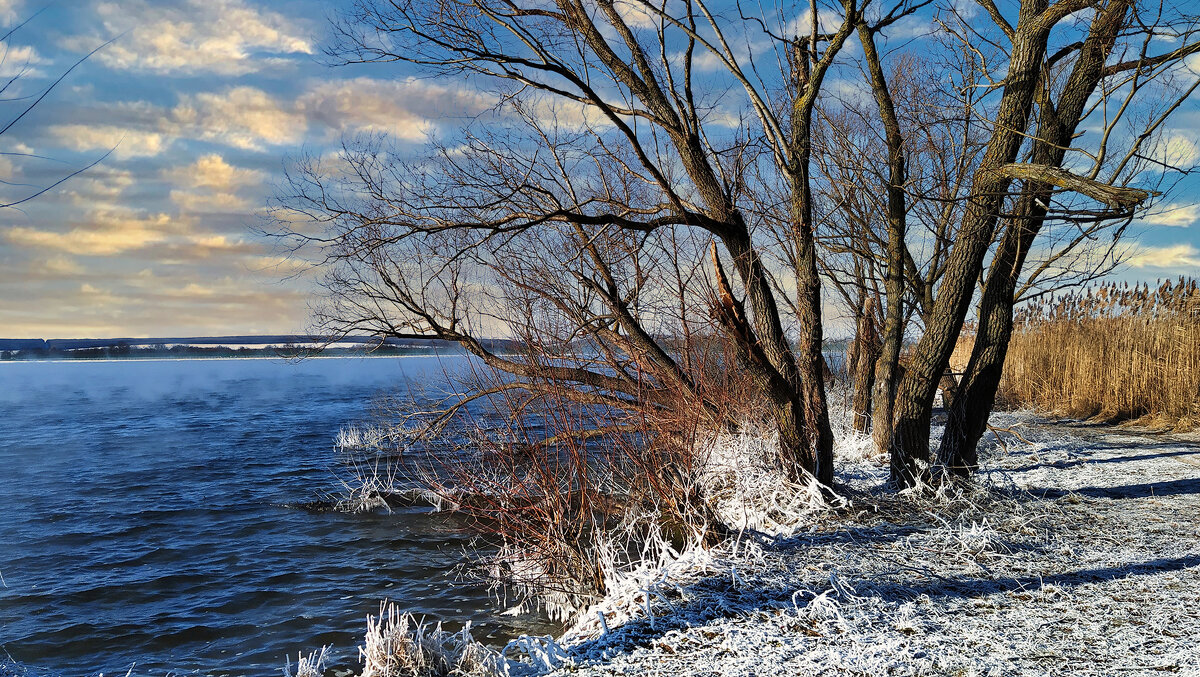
(1075, 550)
(1078, 553)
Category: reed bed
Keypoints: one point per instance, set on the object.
(1110, 353)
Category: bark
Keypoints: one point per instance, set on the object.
(888, 359)
(914, 398)
(782, 395)
(969, 412)
(809, 73)
(866, 352)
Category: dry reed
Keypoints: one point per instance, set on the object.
(1111, 353)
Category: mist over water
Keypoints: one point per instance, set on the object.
(148, 515)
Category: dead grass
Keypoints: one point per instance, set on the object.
(1112, 353)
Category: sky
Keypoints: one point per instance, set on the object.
(193, 111)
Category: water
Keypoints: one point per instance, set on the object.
(147, 515)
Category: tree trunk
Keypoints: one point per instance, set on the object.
(866, 352)
(809, 359)
(969, 412)
(888, 360)
(914, 398)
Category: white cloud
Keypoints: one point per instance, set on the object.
(635, 14)
(9, 11)
(1174, 214)
(102, 184)
(1170, 256)
(1177, 150)
(405, 109)
(242, 117)
(225, 37)
(125, 142)
(108, 232)
(249, 118)
(17, 60)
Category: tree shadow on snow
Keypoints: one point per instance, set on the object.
(1180, 487)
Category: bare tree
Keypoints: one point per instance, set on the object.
(643, 161)
(1121, 28)
(617, 217)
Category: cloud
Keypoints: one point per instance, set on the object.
(248, 118)
(1174, 214)
(242, 117)
(1176, 150)
(213, 172)
(208, 202)
(405, 109)
(125, 142)
(1170, 256)
(17, 60)
(100, 184)
(9, 11)
(62, 266)
(635, 14)
(224, 37)
(107, 233)
(211, 184)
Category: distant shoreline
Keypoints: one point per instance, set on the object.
(227, 347)
(252, 354)
(255, 358)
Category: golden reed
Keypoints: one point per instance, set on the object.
(1110, 353)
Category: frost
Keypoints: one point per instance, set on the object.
(1075, 550)
(1077, 553)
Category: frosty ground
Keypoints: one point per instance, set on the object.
(1077, 552)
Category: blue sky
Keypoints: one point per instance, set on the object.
(202, 102)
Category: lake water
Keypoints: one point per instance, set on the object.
(148, 516)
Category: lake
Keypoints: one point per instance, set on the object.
(150, 515)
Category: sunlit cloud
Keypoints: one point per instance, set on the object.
(106, 234)
(125, 143)
(242, 117)
(214, 172)
(1176, 150)
(211, 184)
(1180, 256)
(1173, 214)
(224, 37)
(407, 109)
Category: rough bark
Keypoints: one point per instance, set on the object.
(914, 398)
(888, 359)
(866, 353)
(969, 412)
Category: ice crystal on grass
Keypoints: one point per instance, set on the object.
(1073, 551)
(312, 665)
(1058, 560)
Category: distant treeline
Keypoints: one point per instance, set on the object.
(222, 346)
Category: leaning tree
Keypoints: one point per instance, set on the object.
(653, 179)
(607, 203)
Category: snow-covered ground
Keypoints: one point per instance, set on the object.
(1078, 553)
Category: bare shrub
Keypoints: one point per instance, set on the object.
(399, 645)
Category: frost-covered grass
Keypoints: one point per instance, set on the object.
(1077, 554)
(312, 665)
